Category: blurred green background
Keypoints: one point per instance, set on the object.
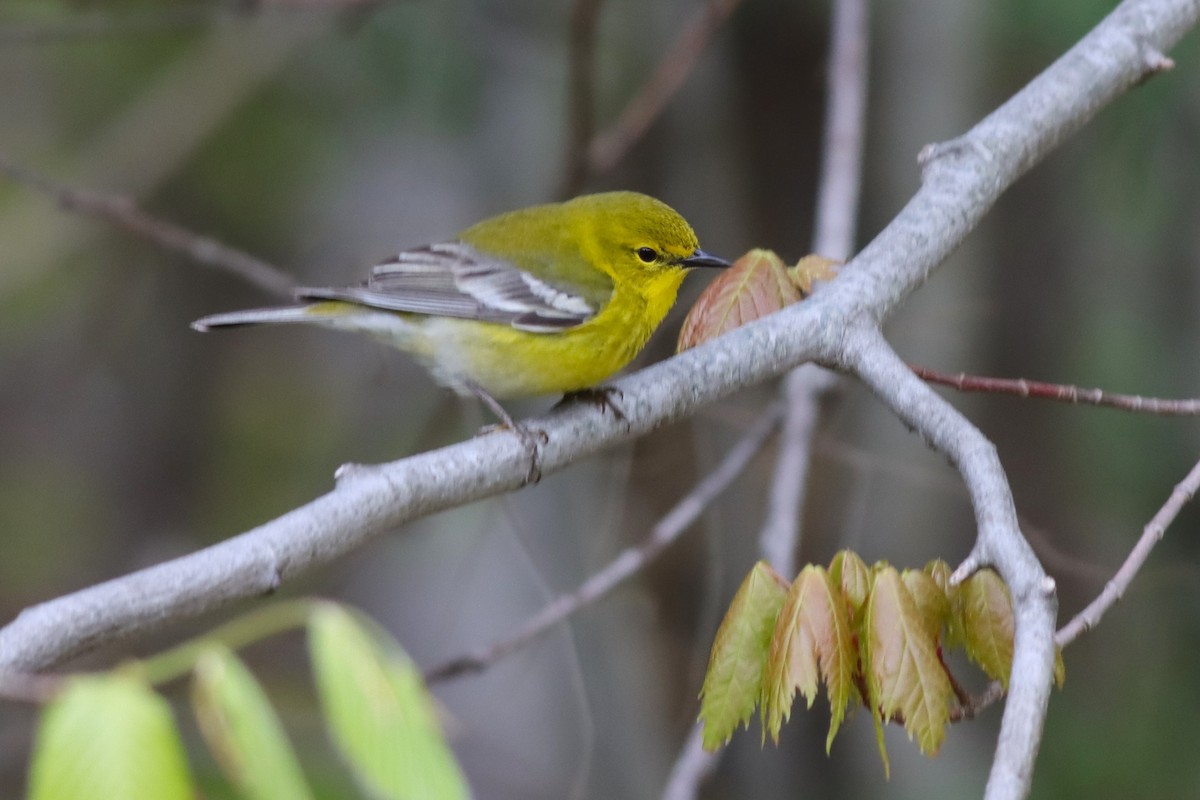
(322, 141)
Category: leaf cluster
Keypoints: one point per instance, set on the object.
(872, 635)
(757, 284)
(112, 735)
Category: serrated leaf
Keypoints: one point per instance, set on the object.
(932, 603)
(851, 574)
(810, 269)
(379, 714)
(755, 285)
(812, 639)
(242, 731)
(733, 681)
(904, 673)
(983, 616)
(109, 736)
(940, 572)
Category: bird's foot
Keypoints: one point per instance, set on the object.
(532, 438)
(603, 397)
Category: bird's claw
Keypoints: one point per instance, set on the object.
(533, 439)
(603, 397)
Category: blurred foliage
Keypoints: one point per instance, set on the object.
(323, 140)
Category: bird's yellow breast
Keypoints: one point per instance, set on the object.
(508, 363)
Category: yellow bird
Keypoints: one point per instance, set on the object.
(544, 300)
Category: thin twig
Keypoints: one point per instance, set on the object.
(692, 767)
(836, 220)
(1063, 393)
(610, 146)
(628, 562)
(779, 539)
(1087, 619)
(845, 130)
(123, 212)
(581, 101)
(837, 206)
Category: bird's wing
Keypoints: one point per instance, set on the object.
(454, 279)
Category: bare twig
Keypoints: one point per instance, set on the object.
(804, 387)
(837, 207)
(977, 703)
(123, 212)
(1087, 619)
(609, 148)
(629, 561)
(1063, 393)
(779, 539)
(845, 129)
(693, 766)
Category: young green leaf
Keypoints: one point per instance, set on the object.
(379, 713)
(852, 575)
(904, 673)
(733, 680)
(810, 269)
(108, 736)
(940, 572)
(932, 603)
(755, 285)
(811, 631)
(242, 730)
(982, 613)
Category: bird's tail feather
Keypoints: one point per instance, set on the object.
(255, 316)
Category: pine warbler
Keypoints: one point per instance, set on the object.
(544, 300)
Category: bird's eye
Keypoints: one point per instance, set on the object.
(647, 254)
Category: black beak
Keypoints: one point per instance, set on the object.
(703, 259)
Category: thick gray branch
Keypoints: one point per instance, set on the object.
(964, 177)
(999, 543)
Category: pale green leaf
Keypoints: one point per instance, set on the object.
(812, 632)
(813, 268)
(735, 667)
(242, 730)
(933, 605)
(108, 737)
(379, 713)
(755, 285)
(904, 674)
(940, 572)
(852, 575)
(982, 610)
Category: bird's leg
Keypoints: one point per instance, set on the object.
(604, 397)
(530, 437)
